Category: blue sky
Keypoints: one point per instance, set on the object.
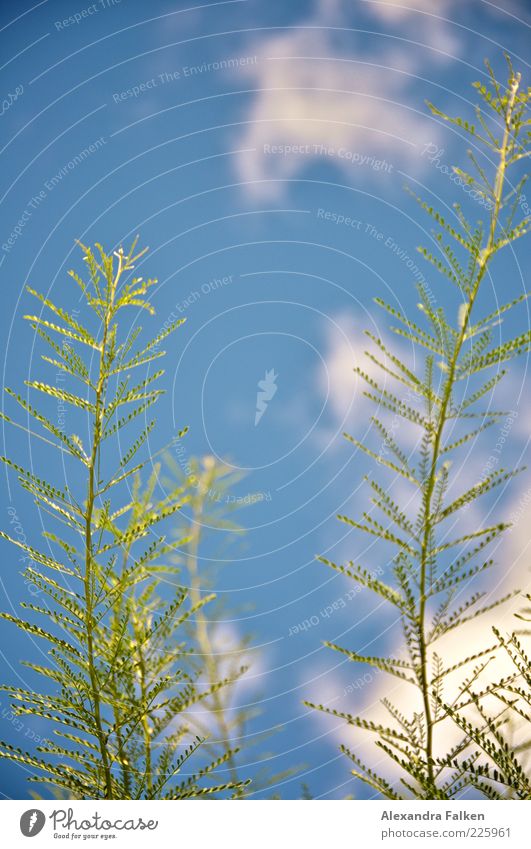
(261, 150)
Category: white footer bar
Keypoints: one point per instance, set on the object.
(266, 825)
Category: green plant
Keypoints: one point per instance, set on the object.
(117, 685)
(439, 397)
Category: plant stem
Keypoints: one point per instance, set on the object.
(145, 721)
(89, 573)
(437, 432)
(118, 721)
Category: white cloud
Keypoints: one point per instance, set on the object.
(318, 85)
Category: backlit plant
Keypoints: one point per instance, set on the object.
(444, 402)
(116, 667)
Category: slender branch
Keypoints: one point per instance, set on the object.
(437, 433)
(88, 580)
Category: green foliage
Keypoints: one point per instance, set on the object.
(439, 399)
(118, 683)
